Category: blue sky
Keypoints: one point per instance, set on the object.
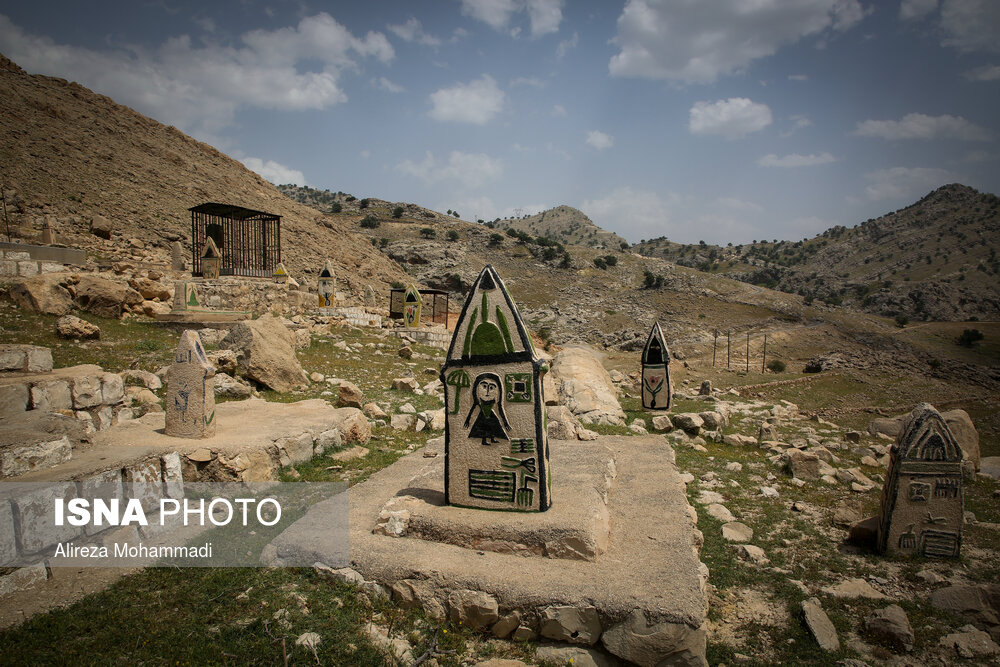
(727, 121)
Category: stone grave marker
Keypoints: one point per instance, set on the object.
(369, 296)
(281, 274)
(48, 237)
(327, 286)
(656, 388)
(496, 450)
(176, 256)
(922, 509)
(211, 260)
(190, 399)
(185, 296)
(412, 304)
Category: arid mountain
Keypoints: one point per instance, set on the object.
(566, 225)
(70, 154)
(933, 260)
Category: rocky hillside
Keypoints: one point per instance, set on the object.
(933, 260)
(69, 154)
(566, 225)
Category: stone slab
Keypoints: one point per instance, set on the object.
(650, 565)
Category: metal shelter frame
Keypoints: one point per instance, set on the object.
(249, 240)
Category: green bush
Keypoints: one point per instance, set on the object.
(452, 235)
(336, 207)
(370, 222)
(600, 263)
(611, 260)
(902, 321)
(776, 365)
(428, 232)
(397, 212)
(363, 203)
(495, 240)
(970, 337)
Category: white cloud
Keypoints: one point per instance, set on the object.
(795, 160)
(697, 42)
(201, 88)
(640, 211)
(737, 204)
(565, 46)
(732, 118)
(799, 121)
(922, 126)
(365, 153)
(798, 77)
(274, 172)
(905, 184)
(476, 102)
(600, 140)
(472, 170)
(544, 15)
(413, 31)
(971, 25)
(914, 9)
(984, 73)
(529, 81)
(558, 110)
(383, 83)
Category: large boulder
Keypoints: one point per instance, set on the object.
(585, 387)
(46, 293)
(265, 353)
(104, 297)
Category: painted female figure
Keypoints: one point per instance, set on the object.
(491, 422)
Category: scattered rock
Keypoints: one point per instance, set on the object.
(265, 351)
(735, 531)
(349, 396)
(70, 326)
(101, 227)
(575, 625)
(474, 609)
(752, 553)
(820, 626)
(853, 588)
(409, 385)
(688, 421)
(658, 643)
(720, 512)
(970, 642)
(585, 387)
(891, 624)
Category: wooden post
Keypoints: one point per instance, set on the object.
(748, 352)
(715, 341)
(763, 357)
(729, 348)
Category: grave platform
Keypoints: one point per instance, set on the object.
(641, 593)
(202, 319)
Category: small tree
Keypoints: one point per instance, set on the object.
(600, 263)
(428, 232)
(397, 212)
(336, 207)
(383, 242)
(611, 260)
(370, 222)
(776, 365)
(496, 240)
(648, 279)
(363, 203)
(902, 321)
(452, 235)
(455, 213)
(970, 337)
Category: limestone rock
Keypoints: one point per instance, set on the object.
(688, 421)
(373, 411)
(720, 512)
(562, 424)
(891, 624)
(820, 626)
(101, 227)
(734, 531)
(970, 642)
(575, 625)
(853, 588)
(802, 464)
(47, 294)
(658, 643)
(474, 609)
(403, 422)
(575, 656)
(104, 297)
(353, 425)
(752, 553)
(147, 379)
(506, 625)
(662, 423)
(349, 395)
(70, 326)
(409, 385)
(961, 426)
(265, 351)
(979, 603)
(225, 361)
(585, 387)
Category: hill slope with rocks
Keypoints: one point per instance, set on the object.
(933, 260)
(69, 154)
(566, 225)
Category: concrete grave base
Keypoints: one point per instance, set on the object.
(642, 594)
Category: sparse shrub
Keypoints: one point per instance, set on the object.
(902, 321)
(549, 254)
(624, 246)
(383, 242)
(611, 260)
(363, 203)
(351, 198)
(397, 212)
(370, 222)
(600, 263)
(452, 235)
(428, 232)
(970, 337)
(336, 207)
(455, 213)
(567, 261)
(777, 365)
(395, 284)
(495, 241)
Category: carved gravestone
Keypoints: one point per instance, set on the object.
(656, 388)
(211, 260)
(496, 450)
(412, 304)
(327, 286)
(922, 497)
(190, 400)
(176, 256)
(48, 237)
(185, 296)
(280, 274)
(369, 296)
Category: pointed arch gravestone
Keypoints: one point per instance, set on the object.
(496, 450)
(327, 286)
(190, 398)
(922, 509)
(657, 390)
(211, 260)
(412, 304)
(280, 274)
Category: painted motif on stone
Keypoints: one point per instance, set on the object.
(496, 450)
(657, 390)
(411, 307)
(327, 286)
(280, 274)
(922, 509)
(211, 260)
(185, 296)
(190, 398)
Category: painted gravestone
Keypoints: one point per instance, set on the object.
(211, 260)
(496, 450)
(922, 497)
(656, 388)
(185, 296)
(190, 400)
(280, 274)
(327, 285)
(411, 307)
(48, 237)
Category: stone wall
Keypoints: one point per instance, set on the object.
(20, 261)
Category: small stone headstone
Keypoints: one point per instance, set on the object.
(411, 307)
(496, 447)
(922, 497)
(176, 256)
(185, 296)
(190, 399)
(327, 286)
(280, 274)
(656, 387)
(48, 237)
(369, 296)
(211, 260)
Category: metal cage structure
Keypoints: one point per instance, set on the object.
(434, 302)
(249, 240)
